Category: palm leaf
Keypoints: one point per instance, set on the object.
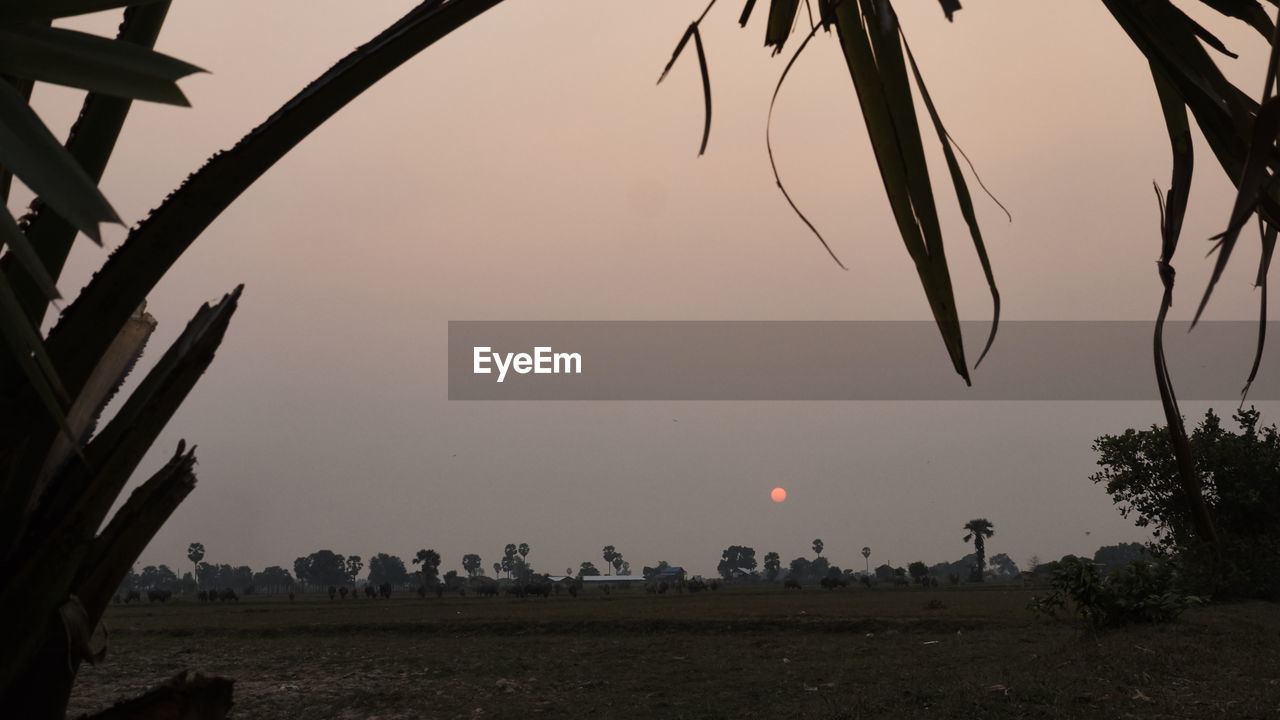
(782, 15)
(868, 32)
(89, 62)
(27, 349)
(1248, 11)
(30, 152)
(962, 196)
(25, 255)
(1255, 184)
(91, 142)
(1268, 232)
(1168, 39)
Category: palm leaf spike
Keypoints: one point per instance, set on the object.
(873, 52)
(1247, 11)
(962, 196)
(1256, 182)
(782, 17)
(1268, 232)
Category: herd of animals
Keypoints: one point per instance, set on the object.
(164, 596)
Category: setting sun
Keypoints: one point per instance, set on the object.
(778, 494)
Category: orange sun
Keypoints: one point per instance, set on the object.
(778, 494)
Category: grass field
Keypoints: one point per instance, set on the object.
(726, 654)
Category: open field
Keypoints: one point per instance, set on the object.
(734, 653)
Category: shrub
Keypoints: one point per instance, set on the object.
(1143, 591)
(1240, 473)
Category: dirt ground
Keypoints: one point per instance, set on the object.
(732, 654)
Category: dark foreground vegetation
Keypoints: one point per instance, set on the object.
(734, 653)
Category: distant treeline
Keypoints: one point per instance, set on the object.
(325, 568)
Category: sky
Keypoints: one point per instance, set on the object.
(527, 167)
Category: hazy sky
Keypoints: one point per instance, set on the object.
(526, 167)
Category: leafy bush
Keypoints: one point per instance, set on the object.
(1144, 591)
(1240, 473)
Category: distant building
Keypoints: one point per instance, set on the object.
(670, 574)
(598, 579)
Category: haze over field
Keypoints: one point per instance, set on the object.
(527, 168)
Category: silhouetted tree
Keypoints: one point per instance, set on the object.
(452, 581)
(866, 556)
(241, 577)
(817, 547)
(354, 565)
(919, 571)
(301, 566)
(430, 561)
(387, 569)
(587, 569)
(497, 569)
(772, 565)
(509, 558)
(608, 554)
(524, 552)
(159, 577)
(323, 568)
(206, 575)
(520, 570)
(1114, 556)
(736, 557)
(1001, 566)
(962, 567)
(274, 579)
(979, 530)
(195, 553)
(471, 563)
